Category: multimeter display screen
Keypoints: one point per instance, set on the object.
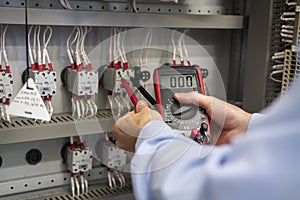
(178, 81)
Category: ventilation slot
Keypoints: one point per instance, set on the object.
(55, 120)
(93, 194)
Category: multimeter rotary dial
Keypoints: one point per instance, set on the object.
(181, 116)
(182, 111)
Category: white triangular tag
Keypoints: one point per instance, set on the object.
(28, 103)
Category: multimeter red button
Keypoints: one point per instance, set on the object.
(194, 133)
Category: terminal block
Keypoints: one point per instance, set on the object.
(6, 83)
(45, 82)
(111, 79)
(79, 160)
(112, 156)
(82, 82)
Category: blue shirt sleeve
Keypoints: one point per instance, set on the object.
(264, 164)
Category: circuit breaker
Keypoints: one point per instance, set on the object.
(45, 82)
(6, 83)
(113, 156)
(82, 82)
(79, 160)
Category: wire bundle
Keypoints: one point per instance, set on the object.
(287, 35)
(39, 58)
(132, 6)
(6, 77)
(181, 48)
(113, 174)
(77, 188)
(118, 61)
(82, 105)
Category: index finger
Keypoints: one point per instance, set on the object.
(194, 98)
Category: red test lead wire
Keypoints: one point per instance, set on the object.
(130, 93)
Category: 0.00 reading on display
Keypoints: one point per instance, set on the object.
(179, 81)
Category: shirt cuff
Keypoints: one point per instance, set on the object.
(254, 121)
(150, 130)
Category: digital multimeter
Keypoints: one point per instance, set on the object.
(169, 80)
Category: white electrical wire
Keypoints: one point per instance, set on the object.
(144, 46)
(5, 114)
(173, 46)
(50, 108)
(122, 179)
(286, 35)
(122, 46)
(86, 185)
(29, 46)
(183, 45)
(82, 183)
(78, 110)
(109, 179)
(70, 51)
(291, 3)
(65, 4)
(287, 27)
(39, 52)
(287, 31)
(115, 51)
(1, 49)
(119, 48)
(279, 66)
(77, 186)
(95, 107)
(73, 106)
(3, 45)
(113, 180)
(77, 48)
(82, 108)
(288, 16)
(46, 57)
(142, 50)
(81, 47)
(274, 73)
(73, 186)
(2, 111)
(110, 56)
(179, 46)
(90, 111)
(148, 44)
(287, 41)
(34, 50)
(118, 178)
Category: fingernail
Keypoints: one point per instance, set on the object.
(178, 95)
(142, 103)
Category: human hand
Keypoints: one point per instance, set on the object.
(232, 120)
(128, 127)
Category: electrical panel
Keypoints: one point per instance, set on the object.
(92, 58)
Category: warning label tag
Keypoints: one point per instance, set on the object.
(28, 103)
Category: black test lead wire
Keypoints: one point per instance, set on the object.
(144, 92)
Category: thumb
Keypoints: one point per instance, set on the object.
(194, 98)
(141, 105)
